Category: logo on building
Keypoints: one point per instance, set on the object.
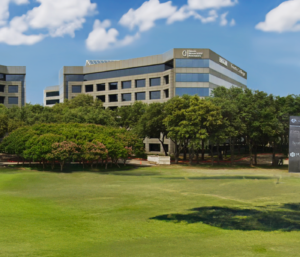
(223, 61)
(292, 154)
(192, 54)
(184, 53)
(294, 120)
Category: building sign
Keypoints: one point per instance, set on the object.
(192, 54)
(294, 144)
(223, 61)
(240, 71)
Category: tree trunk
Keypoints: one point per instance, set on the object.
(106, 163)
(43, 164)
(212, 154)
(162, 144)
(52, 165)
(176, 152)
(62, 165)
(274, 155)
(202, 150)
(124, 162)
(218, 153)
(250, 153)
(255, 155)
(232, 150)
(191, 154)
(197, 156)
(184, 153)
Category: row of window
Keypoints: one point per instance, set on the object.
(202, 91)
(11, 88)
(139, 96)
(192, 77)
(52, 101)
(54, 93)
(124, 85)
(11, 100)
(12, 77)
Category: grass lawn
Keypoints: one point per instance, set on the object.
(175, 211)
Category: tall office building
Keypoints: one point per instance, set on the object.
(151, 79)
(51, 96)
(12, 85)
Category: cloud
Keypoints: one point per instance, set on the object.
(102, 37)
(285, 17)
(224, 21)
(210, 4)
(4, 13)
(58, 17)
(145, 16)
(232, 23)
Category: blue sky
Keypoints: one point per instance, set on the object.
(262, 37)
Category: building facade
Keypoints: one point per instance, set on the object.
(51, 96)
(151, 79)
(12, 85)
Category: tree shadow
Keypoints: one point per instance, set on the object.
(268, 218)
(221, 177)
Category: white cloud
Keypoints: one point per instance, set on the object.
(145, 16)
(232, 23)
(102, 37)
(224, 21)
(210, 4)
(4, 13)
(285, 17)
(58, 17)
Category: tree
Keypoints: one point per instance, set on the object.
(93, 152)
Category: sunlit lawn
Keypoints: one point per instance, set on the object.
(158, 211)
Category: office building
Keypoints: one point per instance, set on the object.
(51, 96)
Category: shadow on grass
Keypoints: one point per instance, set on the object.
(221, 177)
(269, 218)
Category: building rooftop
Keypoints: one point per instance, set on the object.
(92, 62)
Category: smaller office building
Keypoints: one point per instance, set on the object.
(12, 85)
(51, 96)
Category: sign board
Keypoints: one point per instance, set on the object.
(294, 144)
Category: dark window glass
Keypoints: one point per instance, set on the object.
(2, 77)
(113, 86)
(154, 82)
(13, 100)
(180, 91)
(166, 78)
(100, 87)
(154, 147)
(76, 89)
(155, 95)
(166, 91)
(2, 99)
(140, 83)
(126, 97)
(18, 78)
(192, 63)
(13, 89)
(50, 102)
(89, 88)
(166, 147)
(192, 77)
(101, 98)
(140, 96)
(113, 98)
(126, 84)
(50, 94)
(2, 88)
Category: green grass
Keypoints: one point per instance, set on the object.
(176, 211)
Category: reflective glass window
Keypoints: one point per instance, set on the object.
(113, 86)
(154, 95)
(166, 92)
(166, 79)
(113, 98)
(2, 99)
(126, 84)
(76, 89)
(50, 102)
(101, 87)
(13, 89)
(13, 100)
(101, 98)
(10, 77)
(180, 91)
(154, 147)
(192, 63)
(89, 88)
(140, 96)
(192, 77)
(154, 82)
(126, 97)
(2, 88)
(50, 94)
(2, 76)
(140, 83)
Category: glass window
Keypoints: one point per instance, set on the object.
(126, 97)
(2, 99)
(101, 87)
(101, 98)
(154, 147)
(15, 77)
(126, 84)
(2, 77)
(166, 92)
(13, 100)
(192, 77)
(113, 86)
(76, 89)
(13, 89)
(154, 82)
(180, 91)
(140, 96)
(2, 88)
(113, 98)
(140, 83)
(166, 79)
(50, 102)
(50, 94)
(154, 95)
(89, 88)
(192, 63)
